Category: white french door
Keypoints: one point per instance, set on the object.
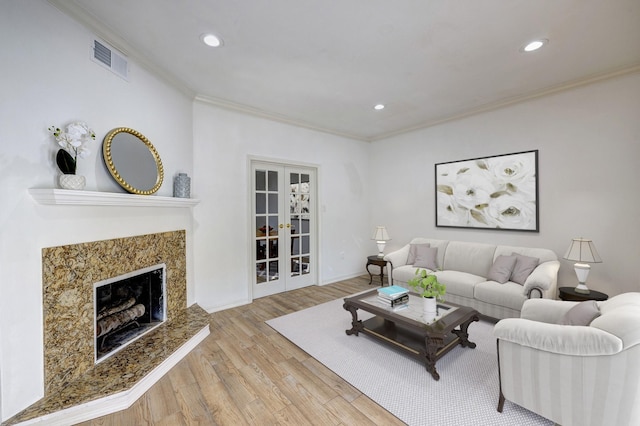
(284, 225)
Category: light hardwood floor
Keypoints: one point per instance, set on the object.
(245, 373)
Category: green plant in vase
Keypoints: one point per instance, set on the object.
(427, 285)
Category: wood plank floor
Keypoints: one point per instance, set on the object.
(245, 373)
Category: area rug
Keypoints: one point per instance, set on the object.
(466, 394)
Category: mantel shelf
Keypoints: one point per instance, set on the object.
(97, 198)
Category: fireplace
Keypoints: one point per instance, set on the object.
(127, 307)
(69, 275)
(77, 388)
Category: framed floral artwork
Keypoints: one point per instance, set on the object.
(498, 192)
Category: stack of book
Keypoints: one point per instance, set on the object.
(394, 296)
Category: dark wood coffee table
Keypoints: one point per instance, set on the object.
(406, 330)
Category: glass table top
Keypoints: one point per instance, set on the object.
(412, 310)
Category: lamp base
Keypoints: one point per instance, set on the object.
(583, 289)
(381, 245)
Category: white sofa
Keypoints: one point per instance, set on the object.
(583, 374)
(464, 267)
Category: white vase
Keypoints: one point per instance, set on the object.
(429, 308)
(72, 181)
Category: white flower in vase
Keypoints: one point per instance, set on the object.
(74, 144)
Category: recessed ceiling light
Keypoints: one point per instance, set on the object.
(378, 107)
(534, 45)
(212, 40)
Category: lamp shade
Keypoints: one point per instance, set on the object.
(582, 250)
(380, 234)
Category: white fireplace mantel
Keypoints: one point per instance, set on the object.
(96, 198)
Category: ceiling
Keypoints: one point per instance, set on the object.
(325, 64)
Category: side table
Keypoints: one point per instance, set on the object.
(378, 261)
(570, 293)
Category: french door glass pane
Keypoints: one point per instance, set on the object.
(273, 203)
(261, 182)
(273, 180)
(266, 217)
(299, 210)
(261, 203)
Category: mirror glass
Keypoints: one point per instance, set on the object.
(132, 161)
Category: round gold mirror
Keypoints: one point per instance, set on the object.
(132, 161)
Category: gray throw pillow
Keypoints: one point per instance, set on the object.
(426, 258)
(582, 314)
(523, 268)
(502, 268)
(414, 250)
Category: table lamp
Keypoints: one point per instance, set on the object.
(381, 236)
(582, 251)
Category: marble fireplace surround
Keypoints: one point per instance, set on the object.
(71, 379)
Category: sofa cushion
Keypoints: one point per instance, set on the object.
(415, 250)
(502, 268)
(459, 283)
(402, 274)
(472, 258)
(582, 313)
(508, 294)
(524, 266)
(426, 258)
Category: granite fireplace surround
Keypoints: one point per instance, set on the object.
(69, 272)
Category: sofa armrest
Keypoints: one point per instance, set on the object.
(560, 339)
(545, 277)
(398, 257)
(545, 310)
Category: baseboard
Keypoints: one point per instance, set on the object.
(122, 400)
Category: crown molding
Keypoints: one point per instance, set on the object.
(74, 9)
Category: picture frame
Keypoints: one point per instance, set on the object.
(498, 192)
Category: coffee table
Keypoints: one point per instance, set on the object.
(407, 330)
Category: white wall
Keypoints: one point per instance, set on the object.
(48, 79)
(589, 149)
(223, 143)
(588, 140)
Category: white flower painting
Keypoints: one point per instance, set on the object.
(499, 192)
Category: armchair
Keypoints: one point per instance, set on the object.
(584, 375)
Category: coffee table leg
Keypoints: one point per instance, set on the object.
(432, 346)
(356, 325)
(463, 334)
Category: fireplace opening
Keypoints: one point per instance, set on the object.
(127, 307)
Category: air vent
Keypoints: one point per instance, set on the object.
(108, 57)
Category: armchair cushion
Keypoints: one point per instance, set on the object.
(545, 310)
(582, 313)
